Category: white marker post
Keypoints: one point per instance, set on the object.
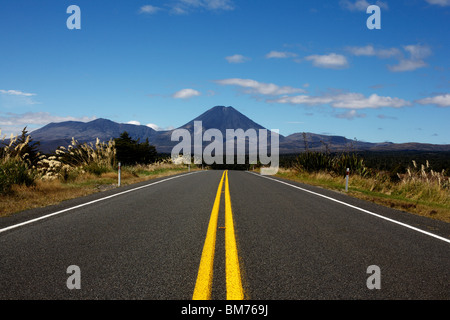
(118, 184)
(346, 179)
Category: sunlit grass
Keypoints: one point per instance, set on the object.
(418, 192)
(48, 192)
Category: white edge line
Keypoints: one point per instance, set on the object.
(357, 208)
(91, 202)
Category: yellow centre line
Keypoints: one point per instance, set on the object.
(233, 274)
(203, 285)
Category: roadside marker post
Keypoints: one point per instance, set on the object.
(118, 183)
(346, 179)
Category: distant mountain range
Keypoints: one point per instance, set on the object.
(54, 135)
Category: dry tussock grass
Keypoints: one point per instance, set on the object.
(43, 193)
(418, 192)
(52, 191)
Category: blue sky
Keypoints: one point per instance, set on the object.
(296, 66)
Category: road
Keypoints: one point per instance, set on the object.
(291, 242)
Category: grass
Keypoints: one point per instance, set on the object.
(28, 181)
(410, 195)
(49, 192)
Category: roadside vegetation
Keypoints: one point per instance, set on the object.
(416, 188)
(29, 179)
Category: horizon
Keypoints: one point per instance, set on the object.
(173, 129)
(287, 65)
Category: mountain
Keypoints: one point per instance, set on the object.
(218, 117)
(316, 142)
(54, 135)
(223, 118)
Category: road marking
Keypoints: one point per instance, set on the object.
(233, 274)
(358, 208)
(203, 284)
(91, 202)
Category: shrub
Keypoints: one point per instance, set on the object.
(78, 158)
(96, 168)
(84, 155)
(313, 162)
(14, 169)
(336, 164)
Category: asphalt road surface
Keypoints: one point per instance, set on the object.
(274, 240)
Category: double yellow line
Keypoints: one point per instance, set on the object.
(203, 286)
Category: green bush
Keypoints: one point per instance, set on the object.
(313, 162)
(13, 172)
(96, 168)
(335, 164)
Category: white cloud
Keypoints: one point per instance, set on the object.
(16, 98)
(388, 53)
(218, 4)
(407, 65)
(186, 94)
(136, 123)
(418, 52)
(37, 118)
(329, 61)
(280, 55)
(237, 58)
(361, 5)
(439, 100)
(442, 3)
(415, 61)
(188, 6)
(369, 50)
(158, 128)
(353, 101)
(350, 115)
(14, 122)
(411, 58)
(255, 87)
(359, 101)
(362, 51)
(153, 126)
(303, 99)
(17, 93)
(149, 9)
(178, 10)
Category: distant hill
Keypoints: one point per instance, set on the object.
(220, 117)
(54, 135)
